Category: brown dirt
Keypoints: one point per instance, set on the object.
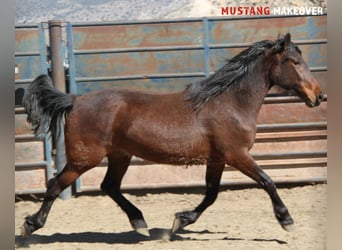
(239, 219)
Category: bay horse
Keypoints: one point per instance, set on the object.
(212, 122)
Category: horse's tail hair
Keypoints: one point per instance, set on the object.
(46, 106)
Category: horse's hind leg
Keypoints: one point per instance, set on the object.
(118, 163)
(54, 187)
(213, 178)
(245, 163)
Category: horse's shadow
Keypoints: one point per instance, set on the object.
(129, 237)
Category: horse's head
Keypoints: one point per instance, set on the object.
(292, 72)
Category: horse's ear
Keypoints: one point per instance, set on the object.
(287, 40)
(282, 43)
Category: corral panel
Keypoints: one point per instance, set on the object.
(251, 30)
(29, 66)
(138, 63)
(26, 40)
(137, 35)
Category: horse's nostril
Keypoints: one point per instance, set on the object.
(320, 96)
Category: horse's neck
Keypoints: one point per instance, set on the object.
(251, 96)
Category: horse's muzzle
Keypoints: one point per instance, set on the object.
(317, 102)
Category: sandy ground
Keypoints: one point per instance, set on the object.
(239, 219)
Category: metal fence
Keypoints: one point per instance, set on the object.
(165, 55)
(33, 159)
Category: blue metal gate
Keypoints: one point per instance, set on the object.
(165, 55)
(33, 159)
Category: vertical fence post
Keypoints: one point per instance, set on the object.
(206, 46)
(50, 171)
(58, 78)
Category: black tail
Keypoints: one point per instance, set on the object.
(46, 106)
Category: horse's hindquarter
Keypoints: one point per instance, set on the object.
(89, 127)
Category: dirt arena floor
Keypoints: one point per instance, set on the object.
(239, 219)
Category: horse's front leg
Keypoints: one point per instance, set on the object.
(213, 178)
(246, 164)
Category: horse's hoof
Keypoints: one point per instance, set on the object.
(23, 231)
(140, 227)
(177, 224)
(183, 219)
(143, 231)
(289, 227)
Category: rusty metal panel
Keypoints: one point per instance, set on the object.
(29, 66)
(29, 152)
(143, 50)
(137, 35)
(322, 78)
(21, 126)
(291, 113)
(186, 46)
(284, 175)
(30, 51)
(295, 146)
(247, 30)
(30, 181)
(138, 63)
(314, 54)
(26, 39)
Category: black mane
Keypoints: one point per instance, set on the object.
(230, 75)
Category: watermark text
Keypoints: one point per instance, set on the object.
(266, 11)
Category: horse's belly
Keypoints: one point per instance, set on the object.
(175, 159)
(179, 151)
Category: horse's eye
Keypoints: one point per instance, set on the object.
(295, 61)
